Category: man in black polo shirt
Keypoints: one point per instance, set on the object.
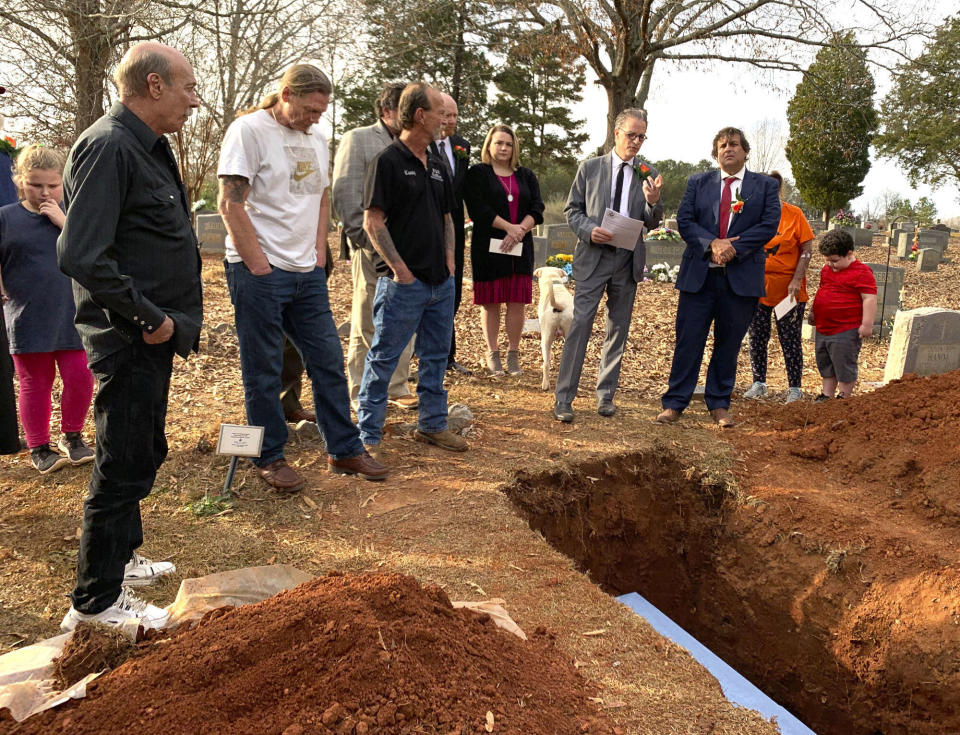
(129, 246)
(408, 198)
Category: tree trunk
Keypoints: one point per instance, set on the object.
(93, 49)
(621, 94)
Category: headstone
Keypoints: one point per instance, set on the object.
(933, 238)
(541, 251)
(560, 239)
(889, 290)
(928, 260)
(211, 232)
(925, 341)
(817, 226)
(670, 224)
(664, 251)
(861, 238)
(904, 243)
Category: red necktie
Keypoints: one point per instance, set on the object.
(725, 196)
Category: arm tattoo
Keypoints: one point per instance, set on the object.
(383, 244)
(448, 233)
(234, 188)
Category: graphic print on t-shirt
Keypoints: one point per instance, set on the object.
(304, 170)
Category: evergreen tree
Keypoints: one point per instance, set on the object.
(921, 111)
(435, 41)
(832, 122)
(540, 81)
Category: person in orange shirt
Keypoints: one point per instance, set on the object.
(788, 255)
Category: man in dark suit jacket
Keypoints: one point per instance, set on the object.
(454, 150)
(622, 182)
(725, 217)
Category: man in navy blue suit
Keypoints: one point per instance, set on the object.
(725, 218)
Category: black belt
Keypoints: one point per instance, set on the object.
(720, 269)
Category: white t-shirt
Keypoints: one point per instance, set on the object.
(288, 173)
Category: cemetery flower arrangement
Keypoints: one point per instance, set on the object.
(664, 273)
(563, 261)
(9, 146)
(844, 219)
(664, 233)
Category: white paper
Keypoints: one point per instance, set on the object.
(240, 441)
(626, 231)
(517, 248)
(784, 307)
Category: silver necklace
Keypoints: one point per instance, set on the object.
(508, 184)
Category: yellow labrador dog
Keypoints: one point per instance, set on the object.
(555, 311)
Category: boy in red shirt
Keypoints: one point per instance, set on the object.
(843, 313)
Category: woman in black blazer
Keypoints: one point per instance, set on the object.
(503, 199)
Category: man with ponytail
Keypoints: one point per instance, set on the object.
(275, 203)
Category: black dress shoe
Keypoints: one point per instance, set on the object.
(563, 412)
(454, 365)
(606, 408)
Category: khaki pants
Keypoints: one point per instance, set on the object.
(361, 330)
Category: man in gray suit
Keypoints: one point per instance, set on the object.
(357, 148)
(622, 182)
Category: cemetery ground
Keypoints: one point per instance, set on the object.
(814, 547)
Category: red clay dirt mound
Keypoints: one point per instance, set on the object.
(904, 437)
(357, 655)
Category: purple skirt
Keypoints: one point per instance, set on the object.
(515, 289)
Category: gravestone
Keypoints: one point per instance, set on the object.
(928, 260)
(861, 238)
(933, 238)
(670, 224)
(664, 251)
(211, 233)
(817, 226)
(541, 251)
(925, 341)
(560, 239)
(889, 290)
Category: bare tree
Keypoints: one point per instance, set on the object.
(57, 54)
(625, 40)
(767, 140)
(239, 49)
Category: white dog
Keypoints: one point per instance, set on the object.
(555, 311)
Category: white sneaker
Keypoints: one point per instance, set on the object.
(793, 394)
(140, 571)
(127, 607)
(757, 390)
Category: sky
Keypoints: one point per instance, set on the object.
(686, 108)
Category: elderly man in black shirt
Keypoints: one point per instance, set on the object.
(408, 198)
(130, 248)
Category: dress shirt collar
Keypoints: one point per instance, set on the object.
(738, 175)
(616, 160)
(141, 131)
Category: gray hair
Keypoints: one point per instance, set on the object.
(634, 112)
(131, 75)
(414, 98)
(389, 98)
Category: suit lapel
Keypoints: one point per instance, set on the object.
(746, 190)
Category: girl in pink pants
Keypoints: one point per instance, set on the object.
(39, 310)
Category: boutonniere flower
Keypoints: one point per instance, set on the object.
(737, 206)
(641, 169)
(9, 146)
(460, 152)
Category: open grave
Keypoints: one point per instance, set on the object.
(824, 569)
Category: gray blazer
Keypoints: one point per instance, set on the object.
(357, 148)
(589, 198)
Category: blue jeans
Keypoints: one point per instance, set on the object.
(296, 305)
(400, 311)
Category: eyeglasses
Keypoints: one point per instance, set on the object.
(633, 137)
